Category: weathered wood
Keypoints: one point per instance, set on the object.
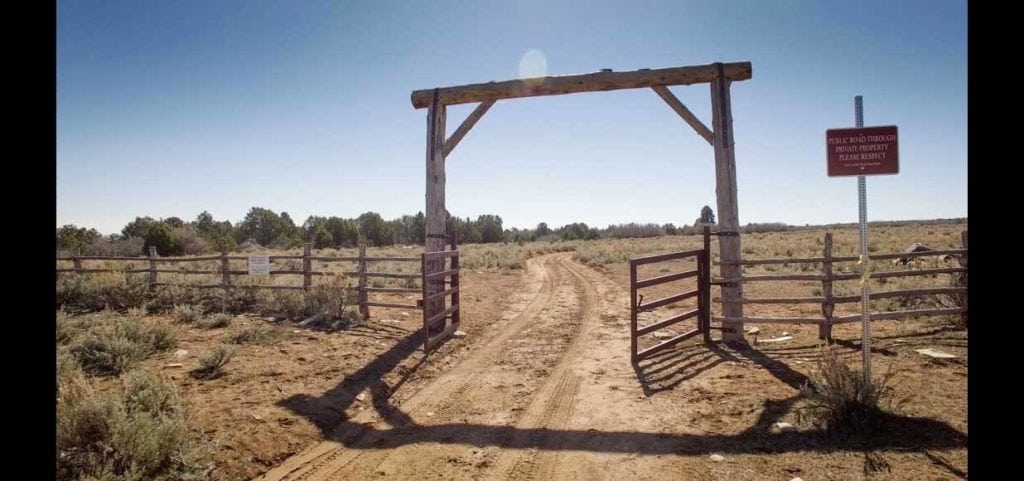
(668, 300)
(815, 260)
(225, 274)
(172, 260)
(364, 309)
(668, 322)
(392, 259)
(777, 277)
(632, 313)
(439, 255)
(454, 289)
(391, 275)
(441, 315)
(828, 305)
(779, 300)
(590, 82)
(433, 341)
(636, 261)
(467, 124)
(685, 113)
(441, 274)
(901, 293)
(666, 278)
(728, 209)
(879, 316)
(882, 275)
(152, 268)
(392, 290)
(307, 266)
(665, 345)
(334, 259)
(77, 261)
(102, 258)
(773, 320)
(436, 214)
(705, 286)
(394, 306)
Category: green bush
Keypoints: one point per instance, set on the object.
(134, 435)
(115, 347)
(216, 321)
(255, 335)
(188, 314)
(211, 364)
(114, 290)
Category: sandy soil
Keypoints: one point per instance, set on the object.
(545, 390)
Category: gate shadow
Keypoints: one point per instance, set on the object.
(327, 412)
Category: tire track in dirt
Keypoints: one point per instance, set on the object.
(552, 408)
(329, 457)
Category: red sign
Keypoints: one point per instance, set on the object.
(862, 151)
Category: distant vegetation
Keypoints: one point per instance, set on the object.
(263, 227)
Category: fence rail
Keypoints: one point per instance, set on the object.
(827, 277)
(306, 271)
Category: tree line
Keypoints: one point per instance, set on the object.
(263, 227)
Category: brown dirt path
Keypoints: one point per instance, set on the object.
(552, 395)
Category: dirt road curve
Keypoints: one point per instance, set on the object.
(520, 407)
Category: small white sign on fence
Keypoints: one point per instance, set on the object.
(259, 265)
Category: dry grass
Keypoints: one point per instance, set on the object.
(118, 344)
(211, 364)
(839, 398)
(256, 334)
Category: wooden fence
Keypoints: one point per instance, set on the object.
(828, 301)
(362, 272)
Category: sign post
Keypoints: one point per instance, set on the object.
(863, 151)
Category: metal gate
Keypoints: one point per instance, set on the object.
(440, 271)
(701, 292)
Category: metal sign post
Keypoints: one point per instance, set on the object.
(863, 151)
(862, 202)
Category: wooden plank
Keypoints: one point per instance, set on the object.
(568, 84)
(390, 275)
(811, 260)
(668, 300)
(685, 113)
(393, 290)
(632, 312)
(774, 320)
(120, 271)
(728, 207)
(364, 309)
(102, 258)
(878, 316)
(665, 345)
(286, 272)
(902, 293)
(782, 277)
(779, 300)
(279, 258)
(221, 286)
(467, 124)
(334, 259)
(441, 275)
(394, 306)
(307, 265)
(392, 259)
(187, 272)
(881, 275)
(438, 255)
(828, 304)
(442, 314)
(666, 278)
(667, 322)
(446, 292)
(637, 261)
(432, 342)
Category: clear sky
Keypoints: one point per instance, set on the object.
(171, 108)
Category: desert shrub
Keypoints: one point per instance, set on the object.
(134, 435)
(167, 298)
(254, 334)
(839, 398)
(115, 290)
(115, 347)
(216, 321)
(188, 314)
(211, 364)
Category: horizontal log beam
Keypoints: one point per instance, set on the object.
(666, 278)
(637, 261)
(590, 82)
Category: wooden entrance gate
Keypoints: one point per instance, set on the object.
(440, 279)
(702, 293)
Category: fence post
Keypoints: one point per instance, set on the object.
(152, 268)
(455, 280)
(963, 278)
(828, 305)
(78, 262)
(364, 310)
(307, 278)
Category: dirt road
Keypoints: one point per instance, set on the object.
(549, 393)
(496, 414)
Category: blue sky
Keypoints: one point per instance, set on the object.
(172, 108)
